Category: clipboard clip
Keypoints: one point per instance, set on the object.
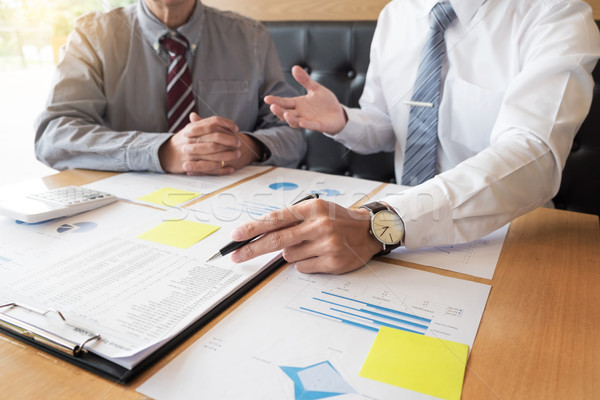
(40, 335)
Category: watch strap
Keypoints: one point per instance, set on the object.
(375, 207)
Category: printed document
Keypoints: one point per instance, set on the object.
(318, 330)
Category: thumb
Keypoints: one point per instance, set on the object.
(195, 117)
(302, 77)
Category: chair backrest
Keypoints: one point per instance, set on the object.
(580, 185)
(336, 54)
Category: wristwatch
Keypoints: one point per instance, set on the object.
(386, 226)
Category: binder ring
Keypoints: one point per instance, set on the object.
(40, 335)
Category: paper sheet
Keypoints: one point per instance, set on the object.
(135, 293)
(279, 189)
(302, 334)
(24, 246)
(133, 185)
(477, 258)
(420, 363)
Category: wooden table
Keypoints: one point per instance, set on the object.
(539, 337)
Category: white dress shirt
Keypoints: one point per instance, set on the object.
(517, 86)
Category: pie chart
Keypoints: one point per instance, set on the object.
(79, 227)
(283, 186)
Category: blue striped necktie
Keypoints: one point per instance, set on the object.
(421, 141)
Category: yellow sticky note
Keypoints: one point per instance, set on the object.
(182, 233)
(169, 197)
(417, 362)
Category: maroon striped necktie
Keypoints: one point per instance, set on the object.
(180, 96)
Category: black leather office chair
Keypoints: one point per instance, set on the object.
(336, 54)
(580, 186)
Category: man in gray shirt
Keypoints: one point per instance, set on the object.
(109, 108)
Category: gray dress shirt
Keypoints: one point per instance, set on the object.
(107, 107)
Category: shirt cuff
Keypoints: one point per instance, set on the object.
(285, 150)
(351, 127)
(142, 152)
(426, 213)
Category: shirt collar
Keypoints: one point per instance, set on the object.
(153, 29)
(465, 9)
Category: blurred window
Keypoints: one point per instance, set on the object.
(32, 33)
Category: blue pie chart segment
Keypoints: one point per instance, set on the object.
(283, 186)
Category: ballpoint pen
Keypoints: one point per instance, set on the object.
(232, 246)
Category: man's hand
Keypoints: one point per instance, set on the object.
(209, 146)
(318, 110)
(316, 235)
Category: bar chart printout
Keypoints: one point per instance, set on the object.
(370, 308)
(307, 336)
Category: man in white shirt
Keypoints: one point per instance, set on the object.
(516, 86)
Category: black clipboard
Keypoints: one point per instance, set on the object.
(107, 369)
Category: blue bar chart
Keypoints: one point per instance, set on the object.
(252, 208)
(363, 314)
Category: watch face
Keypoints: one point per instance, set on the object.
(387, 227)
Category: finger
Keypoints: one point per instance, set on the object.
(210, 125)
(285, 115)
(197, 130)
(205, 167)
(220, 171)
(225, 123)
(280, 230)
(319, 265)
(274, 220)
(311, 265)
(228, 156)
(302, 77)
(323, 256)
(309, 124)
(277, 111)
(203, 150)
(327, 265)
(269, 242)
(195, 117)
(198, 151)
(283, 102)
(295, 121)
(303, 250)
(291, 119)
(212, 142)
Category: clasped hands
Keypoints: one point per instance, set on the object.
(208, 146)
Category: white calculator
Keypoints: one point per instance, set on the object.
(53, 203)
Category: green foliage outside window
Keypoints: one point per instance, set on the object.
(37, 23)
